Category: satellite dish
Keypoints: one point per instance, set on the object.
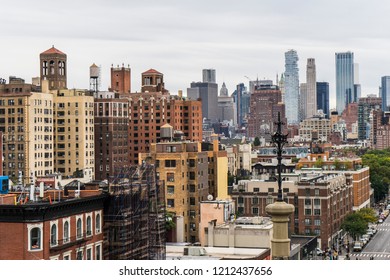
(210, 197)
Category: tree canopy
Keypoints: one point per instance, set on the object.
(256, 142)
(379, 163)
(356, 223)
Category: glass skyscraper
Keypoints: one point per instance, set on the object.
(385, 93)
(291, 87)
(323, 98)
(344, 80)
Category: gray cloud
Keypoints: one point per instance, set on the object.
(180, 38)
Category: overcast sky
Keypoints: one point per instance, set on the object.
(180, 38)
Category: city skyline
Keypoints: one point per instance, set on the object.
(180, 39)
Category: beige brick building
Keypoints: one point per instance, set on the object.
(183, 167)
(27, 123)
(74, 132)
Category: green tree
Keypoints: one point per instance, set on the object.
(368, 214)
(256, 142)
(169, 223)
(355, 225)
(230, 179)
(319, 162)
(337, 164)
(379, 163)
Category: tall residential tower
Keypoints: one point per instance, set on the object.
(291, 86)
(385, 93)
(311, 88)
(344, 80)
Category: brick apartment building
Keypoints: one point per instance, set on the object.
(321, 202)
(57, 227)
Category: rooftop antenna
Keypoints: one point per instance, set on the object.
(279, 140)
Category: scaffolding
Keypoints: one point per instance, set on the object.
(135, 215)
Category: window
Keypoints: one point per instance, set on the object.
(35, 238)
(53, 235)
(269, 200)
(316, 192)
(317, 212)
(98, 252)
(79, 254)
(66, 231)
(170, 163)
(307, 201)
(317, 222)
(98, 223)
(240, 200)
(192, 201)
(308, 212)
(170, 189)
(317, 232)
(170, 203)
(256, 189)
(270, 190)
(171, 177)
(317, 201)
(307, 222)
(255, 200)
(307, 231)
(66, 256)
(79, 228)
(255, 211)
(89, 225)
(89, 253)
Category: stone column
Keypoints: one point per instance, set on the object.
(280, 243)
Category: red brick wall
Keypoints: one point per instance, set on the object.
(11, 241)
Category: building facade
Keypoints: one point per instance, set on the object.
(207, 92)
(311, 91)
(385, 93)
(344, 80)
(226, 106)
(26, 121)
(120, 80)
(242, 104)
(265, 106)
(291, 87)
(54, 68)
(365, 107)
(111, 125)
(152, 81)
(323, 98)
(315, 129)
(149, 111)
(183, 166)
(74, 141)
(68, 229)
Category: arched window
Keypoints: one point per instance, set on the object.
(35, 238)
(89, 225)
(97, 224)
(53, 235)
(51, 66)
(44, 68)
(79, 229)
(61, 68)
(66, 232)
